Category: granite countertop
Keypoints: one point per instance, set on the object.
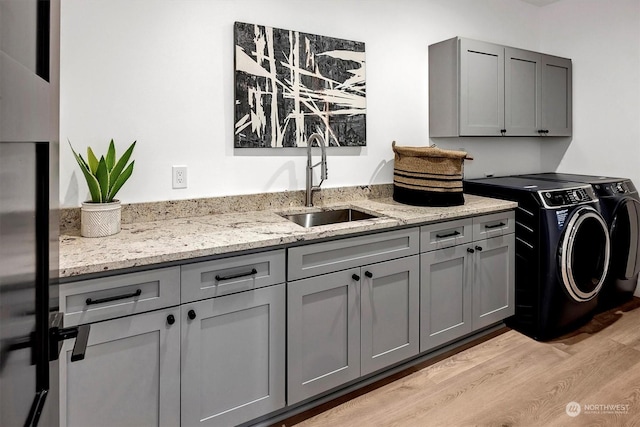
(168, 240)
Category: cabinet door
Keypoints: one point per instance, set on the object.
(481, 88)
(130, 375)
(556, 96)
(445, 295)
(233, 357)
(390, 312)
(323, 333)
(522, 94)
(494, 284)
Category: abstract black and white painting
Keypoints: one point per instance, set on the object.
(290, 84)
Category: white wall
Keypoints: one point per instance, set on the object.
(603, 40)
(161, 72)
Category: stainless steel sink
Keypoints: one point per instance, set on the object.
(312, 219)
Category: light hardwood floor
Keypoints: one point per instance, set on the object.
(510, 380)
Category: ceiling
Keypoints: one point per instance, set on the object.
(540, 2)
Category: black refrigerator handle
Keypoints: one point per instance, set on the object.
(59, 334)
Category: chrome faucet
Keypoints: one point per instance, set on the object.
(323, 165)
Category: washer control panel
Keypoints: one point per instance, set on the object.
(567, 196)
(614, 188)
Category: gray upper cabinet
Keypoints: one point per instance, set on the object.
(556, 96)
(523, 82)
(481, 88)
(484, 89)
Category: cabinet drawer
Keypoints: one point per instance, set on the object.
(327, 257)
(445, 234)
(225, 276)
(494, 225)
(106, 298)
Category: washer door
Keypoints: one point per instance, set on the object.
(584, 254)
(625, 232)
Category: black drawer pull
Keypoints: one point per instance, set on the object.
(368, 274)
(90, 301)
(479, 248)
(235, 276)
(191, 314)
(470, 250)
(501, 224)
(171, 319)
(355, 277)
(442, 236)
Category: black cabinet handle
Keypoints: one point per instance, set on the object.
(355, 277)
(470, 250)
(489, 227)
(81, 334)
(479, 248)
(171, 319)
(80, 346)
(91, 301)
(191, 314)
(442, 236)
(368, 274)
(503, 131)
(235, 276)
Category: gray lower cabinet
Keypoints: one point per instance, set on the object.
(493, 280)
(130, 375)
(466, 287)
(350, 323)
(323, 333)
(233, 357)
(390, 308)
(445, 295)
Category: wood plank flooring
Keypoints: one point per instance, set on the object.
(510, 380)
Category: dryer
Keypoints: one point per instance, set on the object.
(620, 206)
(562, 251)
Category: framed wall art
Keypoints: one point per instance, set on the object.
(290, 84)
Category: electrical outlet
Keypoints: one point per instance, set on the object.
(179, 174)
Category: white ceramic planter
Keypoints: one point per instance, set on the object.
(100, 219)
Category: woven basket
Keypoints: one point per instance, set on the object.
(428, 176)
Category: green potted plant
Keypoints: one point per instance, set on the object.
(101, 215)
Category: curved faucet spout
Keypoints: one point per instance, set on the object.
(315, 137)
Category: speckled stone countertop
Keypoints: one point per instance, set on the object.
(176, 239)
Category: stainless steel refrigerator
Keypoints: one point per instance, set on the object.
(30, 326)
